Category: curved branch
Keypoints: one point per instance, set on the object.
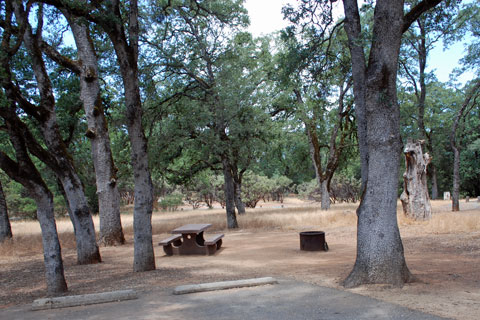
(417, 11)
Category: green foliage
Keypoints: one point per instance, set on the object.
(256, 187)
(343, 188)
(171, 202)
(204, 187)
(308, 189)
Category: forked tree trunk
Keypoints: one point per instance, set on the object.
(5, 227)
(52, 255)
(415, 200)
(380, 255)
(26, 174)
(87, 248)
(111, 232)
(125, 44)
(229, 189)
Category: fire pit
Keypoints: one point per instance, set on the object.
(313, 241)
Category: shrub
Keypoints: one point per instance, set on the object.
(171, 202)
(342, 189)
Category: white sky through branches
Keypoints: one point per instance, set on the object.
(266, 17)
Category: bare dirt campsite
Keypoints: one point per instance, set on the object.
(443, 253)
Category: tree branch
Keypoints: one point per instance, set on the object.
(56, 56)
(417, 11)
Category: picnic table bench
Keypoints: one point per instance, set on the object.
(189, 239)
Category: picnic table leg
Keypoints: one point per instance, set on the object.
(193, 244)
(168, 249)
(212, 248)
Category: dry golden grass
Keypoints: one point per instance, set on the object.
(295, 215)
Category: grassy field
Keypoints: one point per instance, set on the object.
(293, 214)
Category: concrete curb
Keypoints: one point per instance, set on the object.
(223, 285)
(85, 299)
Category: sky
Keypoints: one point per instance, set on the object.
(266, 17)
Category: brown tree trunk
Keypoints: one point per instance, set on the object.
(380, 256)
(5, 227)
(415, 200)
(87, 248)
(111, 232)
(229, 189)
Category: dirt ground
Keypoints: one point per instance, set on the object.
(446, 265)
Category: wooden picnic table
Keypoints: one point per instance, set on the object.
(189, 239)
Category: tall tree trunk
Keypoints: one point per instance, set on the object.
(380, 255)
(5, 227)
(422, 64)
(229, 195)
(127, 56)
(87, 248)
(25, 173)
(52, 255)
(324, 176)
(456, 180)
(111, 232)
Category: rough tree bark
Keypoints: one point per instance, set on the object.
(380, 256)
(111, 232)
(87, 248)
(237, 181)
(5, 227)
(24, 172)
(473, 93)
(108, 16)
(238, 197)
(229, 189)
(127, 56)
(415, 200)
